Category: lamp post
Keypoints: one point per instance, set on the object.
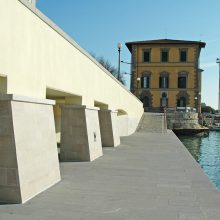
(138, 80)
(196, 103)
(218, 62)
(119, 46)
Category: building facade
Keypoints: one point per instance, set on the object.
(166, 73)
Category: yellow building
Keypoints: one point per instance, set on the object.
(166, 73)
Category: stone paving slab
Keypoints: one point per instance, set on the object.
(149, 176)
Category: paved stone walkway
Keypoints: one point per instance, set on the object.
(150, 176)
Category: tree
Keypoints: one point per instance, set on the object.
(108, 66)
(208, 109)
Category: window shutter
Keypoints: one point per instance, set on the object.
(142, 82)
(148, 82)
(184, 82)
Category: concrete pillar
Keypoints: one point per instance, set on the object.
(109, 128)
(28, 151)
(80, 133)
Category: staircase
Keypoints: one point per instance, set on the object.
(152, 123)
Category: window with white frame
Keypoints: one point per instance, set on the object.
(164, 81)
(145, 81)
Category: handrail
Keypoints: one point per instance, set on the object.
(165, 121)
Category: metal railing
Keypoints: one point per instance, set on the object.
(165, 120)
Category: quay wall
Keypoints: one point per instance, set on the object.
(185, 120)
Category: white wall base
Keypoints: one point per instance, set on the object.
(28, 151)
(80, 134)
(109, 128)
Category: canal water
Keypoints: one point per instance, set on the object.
(206, 151)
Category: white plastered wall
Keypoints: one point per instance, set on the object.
(34, 57)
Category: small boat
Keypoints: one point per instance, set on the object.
(215, 127)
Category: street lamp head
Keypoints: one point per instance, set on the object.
(138, 79)
(119, 46)
(217, 60)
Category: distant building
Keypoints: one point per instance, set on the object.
(166, 73)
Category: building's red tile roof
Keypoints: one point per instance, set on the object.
(164, 41)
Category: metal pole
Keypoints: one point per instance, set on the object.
(197, 91)
(119, 62)
(165, 121)
(218, 62)
(219, 90)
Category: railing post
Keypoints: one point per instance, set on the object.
(165, 121)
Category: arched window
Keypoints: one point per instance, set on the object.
(164, 81)
(164, 95)
(146, 101)
(181, 102)
(164, 100)
(146, 98)
(182, 99)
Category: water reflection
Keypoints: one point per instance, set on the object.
(193, 145)
(206, 151)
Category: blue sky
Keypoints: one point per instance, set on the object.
(98, 25)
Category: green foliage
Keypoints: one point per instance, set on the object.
(208, 109)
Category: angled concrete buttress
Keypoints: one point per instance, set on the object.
(108, 128)
(80, 133)
(28, 152)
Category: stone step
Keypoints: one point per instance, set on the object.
(152, 122)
